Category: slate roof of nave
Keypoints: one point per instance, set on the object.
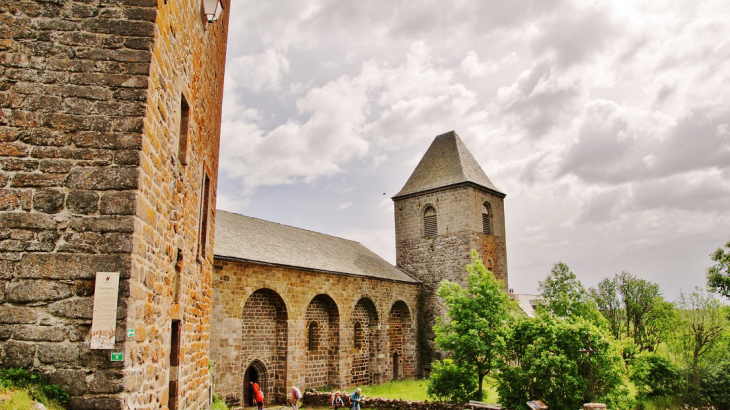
(446, 162)
(252, 239)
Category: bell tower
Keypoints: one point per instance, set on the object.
(447, 207)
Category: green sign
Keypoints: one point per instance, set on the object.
(117, 356)
(130, 332)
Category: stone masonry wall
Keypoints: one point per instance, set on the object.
(323, 399)
(365, 346)
(402, 340)
(322, 354)
(73, 80)
(89, 113)
(264, 321)
(172, 256)
(235, 281)
(445, 256)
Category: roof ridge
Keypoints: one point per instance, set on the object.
(290, 226)
(460, 155)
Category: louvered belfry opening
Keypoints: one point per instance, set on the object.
(430, 226)
(486, 225)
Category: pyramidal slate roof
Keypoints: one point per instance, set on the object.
(446, 162)
(251, 239)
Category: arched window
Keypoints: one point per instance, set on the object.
(430, 227)
(313, 335)
(358, 336)
(487, 218)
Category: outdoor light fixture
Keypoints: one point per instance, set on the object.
(213, 9)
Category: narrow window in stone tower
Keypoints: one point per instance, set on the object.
(203, 232)
(182, 139)
(358, 335)
(312, 345)
(430, 227)
(486, 219)
(174, 363)
(176, 280)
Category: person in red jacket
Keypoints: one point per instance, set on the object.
(259, 396)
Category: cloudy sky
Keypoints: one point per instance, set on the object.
(606, 123)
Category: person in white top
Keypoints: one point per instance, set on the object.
(296, 395)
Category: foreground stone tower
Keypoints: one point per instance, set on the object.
(109, 136)
(447, 208)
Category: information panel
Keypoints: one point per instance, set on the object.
(104, 321)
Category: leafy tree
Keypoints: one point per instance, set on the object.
(654, 375)
(697, 336)
(607, 299)
(701, 324)
(449, 382)
(634, 308)
(478, 322)
(545, 362)
(718, 276)
(640, 299)
(563, 295)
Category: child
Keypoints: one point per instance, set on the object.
(259, 396)
(337, 401)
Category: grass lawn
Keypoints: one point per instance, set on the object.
(18, 399)
(490, 390)
(415, 390)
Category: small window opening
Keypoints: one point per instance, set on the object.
(486, 219)
(203, 239)
(313, 334)
(182, 139)
(174, 363)
(430, 227)
(359, 335)
(178, 273)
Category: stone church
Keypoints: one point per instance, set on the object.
(110, 115)
(293, 307)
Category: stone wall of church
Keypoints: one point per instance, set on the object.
(340, 301)
(322, 324)
(172, 257)
(445, 256)
(89, 114)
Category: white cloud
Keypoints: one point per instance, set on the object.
(294, 150)
(473, 67)
(232, 203)
(258, 72)
(606, 123)
(380, 241)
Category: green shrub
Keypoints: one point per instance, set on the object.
(54, 392)
(19, 378)
(715, 386)
(451, 383)
(654, 375)
(218, 404)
